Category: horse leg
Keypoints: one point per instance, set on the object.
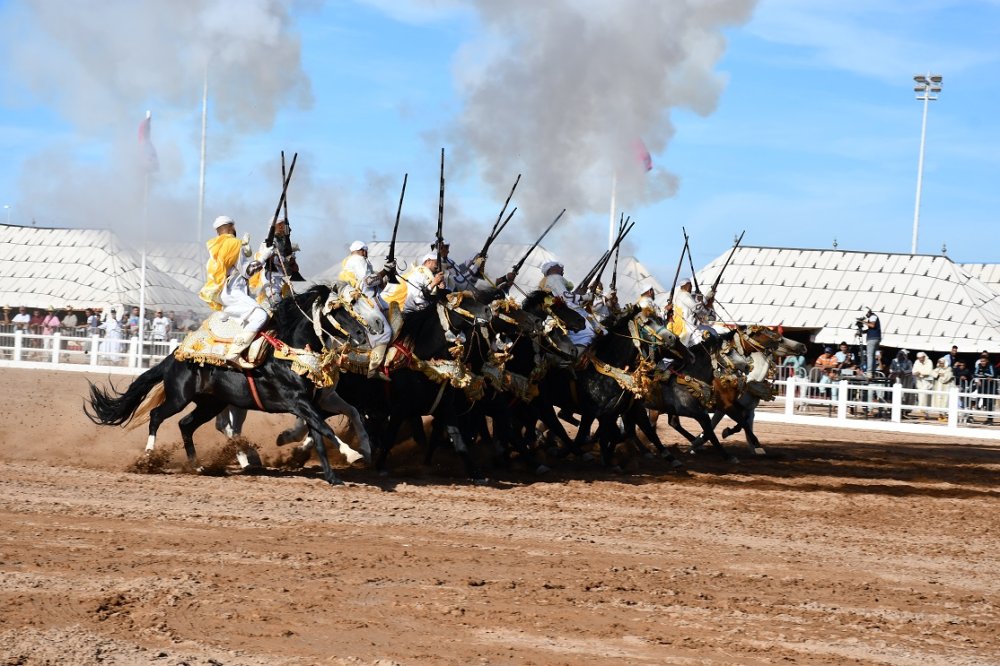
(641, 418)
(458, 442)
(205, 410)
(706, 426)
(230, 421)
(319, 430)
(608, 435)
(699, 441)
(174, 401)
(674, 421)
(387, 439)
(331, 403)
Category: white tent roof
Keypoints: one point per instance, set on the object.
(923, 301)
(185, 262)
(41, 268)
(503, 256)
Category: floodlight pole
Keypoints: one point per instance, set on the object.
(925, 85)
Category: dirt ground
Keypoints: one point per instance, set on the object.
(838, 547)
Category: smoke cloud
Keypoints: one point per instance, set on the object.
(100, 65)
(563, 90)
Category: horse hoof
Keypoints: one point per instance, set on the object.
(542, 469)
(617, 469)
(733, 460)
(200, 469)
(760, 451)
(588, 457)
(335, 482)
(383, 473)
(480, 482)
(676, 464)
(726, 432)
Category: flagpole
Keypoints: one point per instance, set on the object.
(142, 266)
(611, 219)
(201, 173)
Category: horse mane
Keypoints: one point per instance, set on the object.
(534, 299)
(487, 294)
(288, 312)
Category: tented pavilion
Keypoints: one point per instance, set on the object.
(924, 302)
(82, 268)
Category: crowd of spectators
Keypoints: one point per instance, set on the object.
(935, 378)
(112, 325)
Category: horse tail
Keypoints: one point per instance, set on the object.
(113, 408)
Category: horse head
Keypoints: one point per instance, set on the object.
(316, 318)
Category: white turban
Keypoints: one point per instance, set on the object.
(684, 281)
(646, 287)
(358, 245)
(430, 256)
(549, 265)
(222, 220)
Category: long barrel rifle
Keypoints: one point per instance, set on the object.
(391, 257)
(623, 230)
(694, 276)
(497, 226)
(281, 201)
(598, 270)
(613, 287)
(677, 274)
(718, 278)
(519, 264)
(439, 238)
(494, 234)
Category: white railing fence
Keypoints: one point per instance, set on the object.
(81, 353)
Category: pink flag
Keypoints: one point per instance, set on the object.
(147, 153)
(642, 155)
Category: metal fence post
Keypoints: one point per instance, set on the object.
(133, 352)
(18, 344)
(95, 349)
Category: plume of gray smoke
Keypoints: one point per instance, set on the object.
(563, 90)
(93, 59)
(101, 65)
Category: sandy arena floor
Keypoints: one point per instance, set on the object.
(839, 547)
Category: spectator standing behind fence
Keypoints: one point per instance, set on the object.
(5, 321)
(983, 380)
(845, 357)
(951, 357)
(161, 329)
(50, 324)
(923, 374)
(69, 322)
(873, 338)
(944, 379)
(22, 320)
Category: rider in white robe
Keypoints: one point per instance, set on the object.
(358, 272)
(554, 282)
(688, 315)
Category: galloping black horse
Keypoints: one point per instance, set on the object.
(596, 396)
(273, 384)
(410, 394)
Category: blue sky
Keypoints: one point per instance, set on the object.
(813, 134)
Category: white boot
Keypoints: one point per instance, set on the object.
(375, 358)
(238, 345)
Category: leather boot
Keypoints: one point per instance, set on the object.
(375, 358)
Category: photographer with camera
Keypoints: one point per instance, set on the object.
(871, 327)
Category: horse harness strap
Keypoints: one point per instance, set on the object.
(253, 391)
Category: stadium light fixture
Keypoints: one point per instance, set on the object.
(927, 87)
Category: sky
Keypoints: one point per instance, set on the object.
(794, 121)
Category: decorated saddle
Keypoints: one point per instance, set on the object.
(216, 339)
